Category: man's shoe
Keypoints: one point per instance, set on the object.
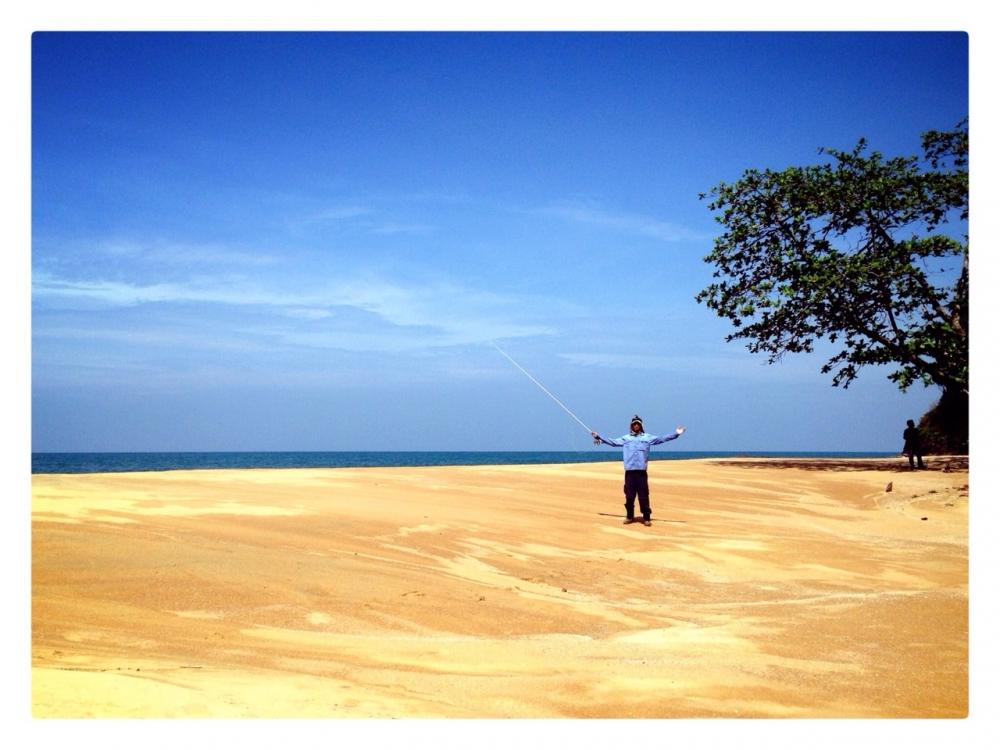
(646, 522)
(627, 521)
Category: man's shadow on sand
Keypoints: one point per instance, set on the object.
(661, 520)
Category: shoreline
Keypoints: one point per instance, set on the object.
(951, 462)
(766, 589)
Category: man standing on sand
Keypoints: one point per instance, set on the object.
(635, 451)
(911, 444)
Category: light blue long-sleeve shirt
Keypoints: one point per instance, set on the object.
(635, 448)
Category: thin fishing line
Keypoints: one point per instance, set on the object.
(547, 391)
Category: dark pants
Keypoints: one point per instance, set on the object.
(911, 454)
(637, 483)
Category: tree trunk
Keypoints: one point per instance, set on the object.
(945, 428)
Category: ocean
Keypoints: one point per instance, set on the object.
(94, 463)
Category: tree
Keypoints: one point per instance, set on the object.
(854, 251)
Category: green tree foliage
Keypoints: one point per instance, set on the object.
(853, 251)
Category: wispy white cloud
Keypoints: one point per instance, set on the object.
(628, 223)
(307, 313)
(738, 364)
(340, 213)
(402, 316)
(631, 361)
(399, 228)
(46, 286)
(362, 218)
(184, 254)
(144, 337)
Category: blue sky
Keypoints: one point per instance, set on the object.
(308, 241)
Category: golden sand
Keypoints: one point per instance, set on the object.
(764, 588)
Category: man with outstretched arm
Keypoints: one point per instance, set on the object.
(635, 451)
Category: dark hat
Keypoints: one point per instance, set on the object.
(635, 418)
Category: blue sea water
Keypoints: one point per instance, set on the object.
(92, 463)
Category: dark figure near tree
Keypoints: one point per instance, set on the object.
(911, 444)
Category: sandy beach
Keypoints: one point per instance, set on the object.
(763, 588)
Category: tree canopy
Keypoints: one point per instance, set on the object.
(853, 251)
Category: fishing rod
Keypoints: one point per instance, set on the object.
(546, 390)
